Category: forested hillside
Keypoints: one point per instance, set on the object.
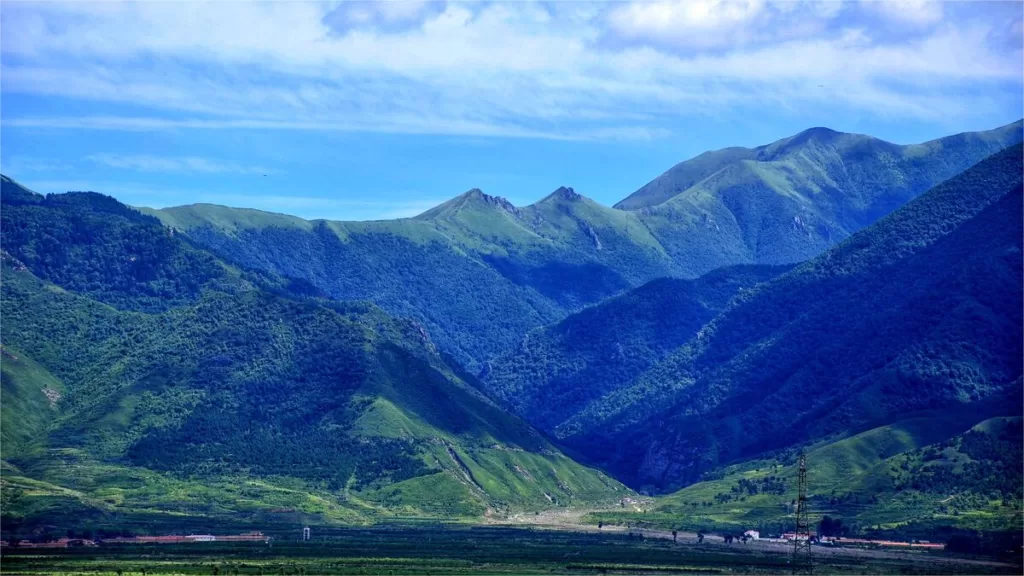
(143, 375)
(558, 370)
(476, 271)
(921, 311)
(479, 273)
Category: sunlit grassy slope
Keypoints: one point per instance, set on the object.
(917, 476)
(29, 400)
(142, 375)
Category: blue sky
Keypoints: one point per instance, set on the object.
(361, 110)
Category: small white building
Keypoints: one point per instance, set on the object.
(202, 538)
(752, 534)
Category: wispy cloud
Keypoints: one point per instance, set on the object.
(184, 164)
(393, 125)
(525, 70)
(27, 164)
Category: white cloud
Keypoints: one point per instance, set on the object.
(184, 164)
(720, 24)
(512, 70)
(690, 22)
(914, 12)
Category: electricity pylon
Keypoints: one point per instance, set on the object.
(802, 559)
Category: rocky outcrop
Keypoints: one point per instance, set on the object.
(592, 235)
(499, 202)
(567, 193)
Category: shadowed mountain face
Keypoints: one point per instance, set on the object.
(135, 363)
(559, 370)
(920, 311)
(479, 273)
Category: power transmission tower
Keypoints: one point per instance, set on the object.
(802, 559)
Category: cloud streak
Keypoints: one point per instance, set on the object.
(185, 164)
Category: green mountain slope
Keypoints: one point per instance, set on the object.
(917, 477)
(188, 386)
(815, 146)
(29, 400)
(479, 273)
(476, 271)
(95, 245)
(920, 311)
(789, 201)
(558, 370)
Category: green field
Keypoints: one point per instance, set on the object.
(480, 550)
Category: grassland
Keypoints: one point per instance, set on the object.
(479, 550)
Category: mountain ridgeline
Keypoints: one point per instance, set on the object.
(134, 360)
(480, 273)
(476, 271)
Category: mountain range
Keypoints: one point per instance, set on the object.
(894, 359)
(829, 292)
(479, 273)
(921, 311)
(143, 375)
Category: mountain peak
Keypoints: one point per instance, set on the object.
(567, 193)
(473, 196)
(818, 132)
(973, 146)
(497, 201)
(564, 193)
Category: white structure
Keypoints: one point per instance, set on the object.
(752, 534)
(202, 538)
(305, 533)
